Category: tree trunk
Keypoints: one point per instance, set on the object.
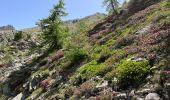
(113, 7)
(111, 1)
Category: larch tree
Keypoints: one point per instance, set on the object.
(111, 5)
(51, 26)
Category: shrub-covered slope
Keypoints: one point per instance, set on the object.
(124, 57)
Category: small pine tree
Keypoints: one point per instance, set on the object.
(51, 26)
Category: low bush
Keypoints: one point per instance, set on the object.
(116, 56)
(132, 73)
(18, 35)
(88, 85)
(102, 71)
(90, 69)
(110, 75)
(76, 54)
(127, 40)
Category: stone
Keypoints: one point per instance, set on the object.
(152, 96)
(103, 84)
(132, 93)
(78, 80)
(167, 85)
(135, 58)
(19, 97)
(57, 81)
(144, 30)
(34, 82)
(137, 98)
(144, 91)
(121, 96)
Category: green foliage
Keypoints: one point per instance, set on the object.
(82, 27)
(2, 97)
(110, 75)
(18, 35)
(42, 71)
(165, 3)
(103, 70)
(90, 69)
(76, 44)
(111, 5)
(35, 93)
(75, 54)
(124, 41)
(117, 55)
(74, 47)
(51, 26)
(98, 50)
(132, 72)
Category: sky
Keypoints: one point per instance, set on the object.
(25, 13)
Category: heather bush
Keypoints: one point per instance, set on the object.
(132, 73)
(68, 92)
(87, 87)
(127, 40)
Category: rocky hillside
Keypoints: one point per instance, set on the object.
(16, 45)
(123, 57)
(8, 27)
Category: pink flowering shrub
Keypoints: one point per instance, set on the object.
(165, 72)
(59, 54)
(149, 43)
(44, 83)
(124, 41)
(140, 16)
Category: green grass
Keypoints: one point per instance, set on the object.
(36, 93)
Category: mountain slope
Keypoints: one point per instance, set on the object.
(124, 57)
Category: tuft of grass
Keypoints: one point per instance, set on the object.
(36, 93)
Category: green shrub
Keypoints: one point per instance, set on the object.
(132, 73)
(18, 35)
(76, 54)
(98, 50)
(90, 69)
(165, 3)
(110, 75)
(116, 56)
(103, 70)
